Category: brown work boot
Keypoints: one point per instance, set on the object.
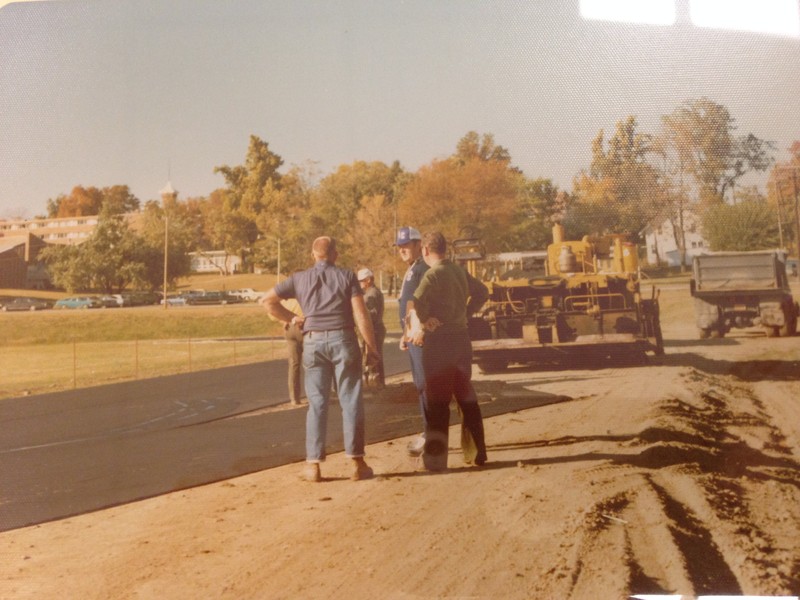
(311, 473)
(362, 470)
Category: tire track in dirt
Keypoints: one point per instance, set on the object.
(689, 517)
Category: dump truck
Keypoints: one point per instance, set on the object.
(742, 289)
(586, 305)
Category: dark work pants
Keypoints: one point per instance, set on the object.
(447, 362)
(380, 337)
(294, 347)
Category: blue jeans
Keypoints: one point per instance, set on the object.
(333, 357)
(418, 375)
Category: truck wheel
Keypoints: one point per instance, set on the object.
(659, 340)
(492, 365)
(704, 333)
(716, 333)
(771, 331)
(789, 328)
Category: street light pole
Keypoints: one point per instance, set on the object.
(166, 258)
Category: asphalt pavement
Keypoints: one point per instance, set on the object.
(72, 452)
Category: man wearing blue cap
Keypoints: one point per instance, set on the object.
(409, 245)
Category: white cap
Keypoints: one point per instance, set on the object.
(363, 274)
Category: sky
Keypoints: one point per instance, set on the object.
(142, 92)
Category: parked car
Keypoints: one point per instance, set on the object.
(109, 301)
(26, 304)
(175, 300)
(212, 298)
(78, 302)
(140, 298)
(248, 294)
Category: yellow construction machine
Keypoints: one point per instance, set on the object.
(586, 307)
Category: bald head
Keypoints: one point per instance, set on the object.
(324, 248)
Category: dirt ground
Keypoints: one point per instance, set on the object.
(678, 477)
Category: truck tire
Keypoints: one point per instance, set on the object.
(704, 333)
(771, 331)
(789, 327)
(716, 333)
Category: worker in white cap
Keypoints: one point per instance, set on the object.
(373, 298)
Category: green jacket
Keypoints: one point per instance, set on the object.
(448, 293)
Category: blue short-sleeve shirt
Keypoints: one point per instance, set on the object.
(325, 293)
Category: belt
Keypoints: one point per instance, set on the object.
(325, 332)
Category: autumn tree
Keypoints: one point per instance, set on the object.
(475, 192)
(701, 135)
(90, 201)
(285, 231)
(338, 197)
(476, 147)
(252, 189)
(617, 194)
(176, 220)
(225, 229)
(113, 255)
(368, 243)
(354, 198)
(784, 197)
(249, 185)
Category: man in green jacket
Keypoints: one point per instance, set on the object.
(437, 321)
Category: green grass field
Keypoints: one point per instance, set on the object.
(55, 350)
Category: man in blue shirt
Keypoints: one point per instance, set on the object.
(332, 303)
(409, 246)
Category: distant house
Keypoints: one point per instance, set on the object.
(660, 241)
(215, 261)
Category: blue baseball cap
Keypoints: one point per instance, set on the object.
(406, 235)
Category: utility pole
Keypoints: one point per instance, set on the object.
(780, 211)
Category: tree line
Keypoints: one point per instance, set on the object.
(263, 213)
